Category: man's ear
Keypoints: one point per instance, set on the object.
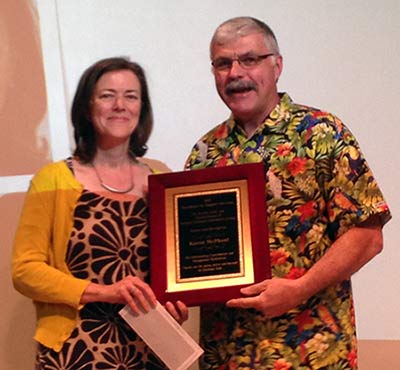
(278, 67)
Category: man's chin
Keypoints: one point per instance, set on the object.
(240, 107)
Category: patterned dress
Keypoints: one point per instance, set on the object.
(109, 241)
(318, 186)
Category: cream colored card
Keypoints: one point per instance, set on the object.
(169, 341)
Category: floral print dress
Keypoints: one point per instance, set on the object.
(109, 241)
(318, 186)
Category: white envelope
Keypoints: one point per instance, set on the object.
(168, 340)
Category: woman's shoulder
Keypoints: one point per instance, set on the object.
(52, 169)
(155, 165)
(54, 174)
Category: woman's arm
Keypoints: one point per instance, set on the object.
(39, 270)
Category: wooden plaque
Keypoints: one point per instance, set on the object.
(208, 233)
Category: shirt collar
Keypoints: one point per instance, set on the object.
(278, 115)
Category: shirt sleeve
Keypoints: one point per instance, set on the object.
(352, 193)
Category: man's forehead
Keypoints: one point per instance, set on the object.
(240, 45)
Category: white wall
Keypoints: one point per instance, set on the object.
(342, 56)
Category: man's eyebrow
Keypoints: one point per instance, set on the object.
(251, 52)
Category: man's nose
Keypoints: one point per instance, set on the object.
(236, 68)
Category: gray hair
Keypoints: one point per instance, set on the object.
(243, 26)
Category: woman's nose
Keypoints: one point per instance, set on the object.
(119, 102)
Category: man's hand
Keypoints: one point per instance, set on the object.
(272, 297)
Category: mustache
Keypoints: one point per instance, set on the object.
(239, 85)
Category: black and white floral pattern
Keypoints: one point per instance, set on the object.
(109, 241)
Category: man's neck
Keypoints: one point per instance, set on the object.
(250, 127)
(251, 124)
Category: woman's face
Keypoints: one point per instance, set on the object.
(115, 107)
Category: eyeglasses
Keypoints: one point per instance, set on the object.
(246, 61)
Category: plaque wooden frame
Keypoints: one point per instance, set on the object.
(245, 184)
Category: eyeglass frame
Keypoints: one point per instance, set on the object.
(239, 59)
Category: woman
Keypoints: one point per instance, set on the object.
(81, 248)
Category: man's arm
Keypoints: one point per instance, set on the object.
(345, 256)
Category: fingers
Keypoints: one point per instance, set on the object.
(141, 298)
(138, 295)
(179, 311)
(252, 302)
(255, 297)
(144, 290)
(183, 310)
(129, 296)
(255, 288)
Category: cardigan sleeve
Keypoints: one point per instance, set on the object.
(38, 262)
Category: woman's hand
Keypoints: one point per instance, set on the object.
(134, 292)
(130, 290)
(179, 311)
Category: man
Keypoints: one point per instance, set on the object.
(325, 213)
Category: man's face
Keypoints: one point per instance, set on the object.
(249, 92)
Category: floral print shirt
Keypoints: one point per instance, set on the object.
(318, 186)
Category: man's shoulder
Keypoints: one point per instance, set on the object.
(306, 110)
(307, 118)
(220, 131)
(302, 109)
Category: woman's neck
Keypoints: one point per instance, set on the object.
(115, 157)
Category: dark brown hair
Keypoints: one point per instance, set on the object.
(84, 134)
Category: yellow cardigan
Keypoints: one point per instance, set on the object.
(39, 270)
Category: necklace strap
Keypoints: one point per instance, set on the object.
(110, 188)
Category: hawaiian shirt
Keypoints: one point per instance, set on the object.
(318, 186)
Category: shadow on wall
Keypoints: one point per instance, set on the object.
(17, 312)
(19, 349)
(22, 90)
(24, 149)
